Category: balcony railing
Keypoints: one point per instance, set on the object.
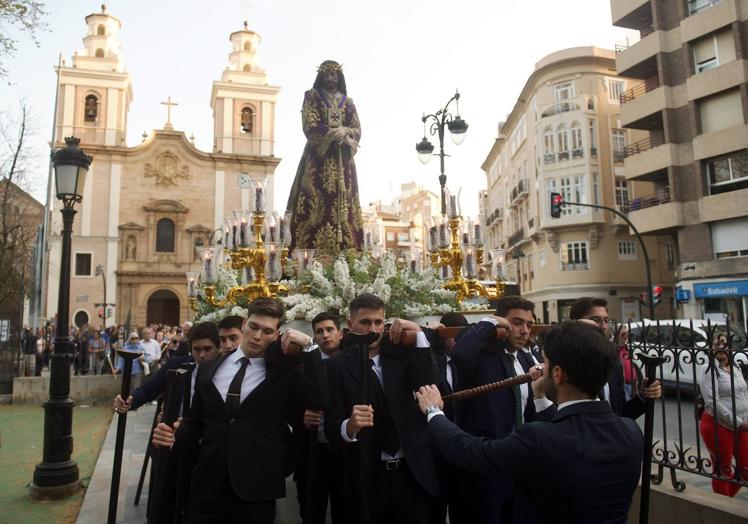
(516, 237)
(577, 153)
(654, 140)
(640, 89)
(520, 190)
(586, 102)
(497, 214)
(696, 6)
(618, 156)
(549, 158)
(633, 38)
(660, 197)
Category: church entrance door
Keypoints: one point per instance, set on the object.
(163, 308)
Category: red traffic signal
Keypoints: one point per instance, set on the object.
(101, 313)
(556, 202)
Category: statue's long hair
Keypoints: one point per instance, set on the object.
(319, 81)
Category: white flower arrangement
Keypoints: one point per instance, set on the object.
(332, 286)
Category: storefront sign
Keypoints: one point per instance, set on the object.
(734, 288)
(682, 295)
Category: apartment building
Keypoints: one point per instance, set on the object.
(564, 135)
(691, 101)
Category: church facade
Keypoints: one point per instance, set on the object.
(148, 209)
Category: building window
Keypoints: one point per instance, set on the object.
(390, 236)
(595, 189)
(549, 145)
(541, 257)
(576, 139)
(615, 90)
(91, 108)
(99, 53)
(247, 120)
(622, 193)
(593, 139)
(713, 50)
(729, 238)
(626, 250)
(101, 30)
(564, 91)
(618, 140)
(721, 111)
(574, 256)
(563, 141)
(694, 6)
(580, 193)
(727, 173)
(565, 190)
(83, 264)
(247, 46)
(165, 236)
(247, 68)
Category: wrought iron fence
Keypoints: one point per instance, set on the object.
(704, 371)
(11, 364)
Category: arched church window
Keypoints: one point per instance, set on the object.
(165, 236)
(99, 53)
(91, 108)
(101, 30)
(247, 68)
(247, 46)
(247, 120)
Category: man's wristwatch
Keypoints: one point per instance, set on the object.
(433, 408)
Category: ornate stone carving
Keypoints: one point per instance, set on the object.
(166, 169)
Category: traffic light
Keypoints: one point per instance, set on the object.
(101, 313)
(556, 202)
(656, 294)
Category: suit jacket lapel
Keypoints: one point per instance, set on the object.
(210, 387)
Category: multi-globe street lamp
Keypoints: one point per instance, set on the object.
(57, 476)
(457, 127)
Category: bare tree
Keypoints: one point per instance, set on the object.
(20, 213)
(26, 16)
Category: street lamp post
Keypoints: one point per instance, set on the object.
(457, 128)
(57, 476)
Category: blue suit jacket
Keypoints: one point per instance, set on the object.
(581, 467)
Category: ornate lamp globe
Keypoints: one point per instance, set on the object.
(71, 166)
(425, 150)
(457, 128)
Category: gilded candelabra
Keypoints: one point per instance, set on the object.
(453, 257)
(248, 259)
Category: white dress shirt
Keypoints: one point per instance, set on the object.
(254, 375)
(151, 350)
(523, 388)
(449, 373)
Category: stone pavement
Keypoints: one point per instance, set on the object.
(96, 502)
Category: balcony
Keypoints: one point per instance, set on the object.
(516, 237)
(640, 89)
(549, 158)
(654, 140)
(636, 55)
(656, 213)
(520, 190)
(707, 16)
(696, 6)
(721, 78)
(577, 153)
(496, 216)
(631, 13)
(580, 103)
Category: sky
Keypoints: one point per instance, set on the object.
(401, 58)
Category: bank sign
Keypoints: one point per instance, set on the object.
(734, 288)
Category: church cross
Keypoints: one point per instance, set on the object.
(168, 105)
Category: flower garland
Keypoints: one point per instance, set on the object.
(331, 286)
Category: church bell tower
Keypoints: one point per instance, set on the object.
(95, 92)
(242, 101)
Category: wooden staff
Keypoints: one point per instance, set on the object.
(185, 458)
(119, 444)
(488, 388)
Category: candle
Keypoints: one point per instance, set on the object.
(443, 242)
(286, 228)
(272, 264)
(453, 206)
(234, 229)
(477, 233)
(465, 238)
(469, 263)
(226, 236)
(243, 232)
(208, 274)
(306, 259)
(192, 277)
(433, 238)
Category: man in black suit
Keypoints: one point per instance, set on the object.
(487, 352)
(582, 466)
(242, 408)
(230, 333)
(384, 432)
(326, 477)
(203, 342)
(595, 310)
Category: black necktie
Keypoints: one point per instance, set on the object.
(516, 390)
(383, 425)
(453, 386)
(233, 397)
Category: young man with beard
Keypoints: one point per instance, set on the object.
(243, 405)
(326, 479)
(490, 351)
(388, 463)
(582, 466)
(595, 310)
